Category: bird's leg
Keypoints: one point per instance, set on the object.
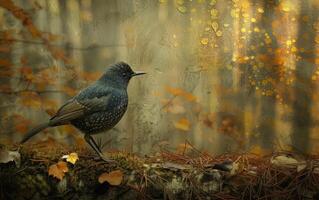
(89, 139)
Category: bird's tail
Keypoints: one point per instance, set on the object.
(34, 131)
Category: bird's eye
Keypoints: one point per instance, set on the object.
(124, 74)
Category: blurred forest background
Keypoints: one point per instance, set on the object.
(223, 75)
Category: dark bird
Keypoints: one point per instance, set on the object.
(97, 108)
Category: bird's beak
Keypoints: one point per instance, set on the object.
(138, 73)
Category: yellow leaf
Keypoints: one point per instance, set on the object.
(182, 9)
(113, 178)
(215, 26)
(204, 41)
(71, 158)
(257, 150)
(219, 33)
(58, 170)
(189, 96)
(183, 124)
(30, 99)
(213, 2)
(174, 91)
(183, 148)
(260, 10)
(214, 13)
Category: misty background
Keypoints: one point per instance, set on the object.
(223, 76)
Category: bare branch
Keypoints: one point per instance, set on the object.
(28, 90)
(65, 45)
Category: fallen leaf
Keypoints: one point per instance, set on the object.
(21, 128)
(21, 124)
(5, 62)
(113, 178)
(30, 99)
(68, 90)
(301, 167)
(180, 92)
(176, 109)
(8, 156)
(288, 161)
(257, 150)
(5, 49)
(183, 148)
(283, 160)
(208, 119)
(58, 170)
(183, 124)
(63, 166)
(71, 158)
(175, 166)
(174, 91)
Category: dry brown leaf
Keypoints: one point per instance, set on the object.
(189, 96)
(21, 127)
(5, 62)
(55, 172)
(175, 108)
(69, 91)
(183, 148)
(90, 76)
(182, 124)
(22, 15)
(30, 99)
(63, 166)
(180, 92)
(174, 91)
(58, 170)
(5, 49)
(5, 88)
(21, 124)
(208, 119)
(113, 178)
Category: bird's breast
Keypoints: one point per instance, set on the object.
(103, 120)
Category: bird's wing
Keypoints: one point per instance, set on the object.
(77, 108)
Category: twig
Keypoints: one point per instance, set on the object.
(28, 90)
(65, 46)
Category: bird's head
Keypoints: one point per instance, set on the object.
(119, 74)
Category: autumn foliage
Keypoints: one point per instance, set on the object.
(36, 83)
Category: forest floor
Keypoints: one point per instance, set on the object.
(38, 171)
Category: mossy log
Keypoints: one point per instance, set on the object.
(164, 176)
